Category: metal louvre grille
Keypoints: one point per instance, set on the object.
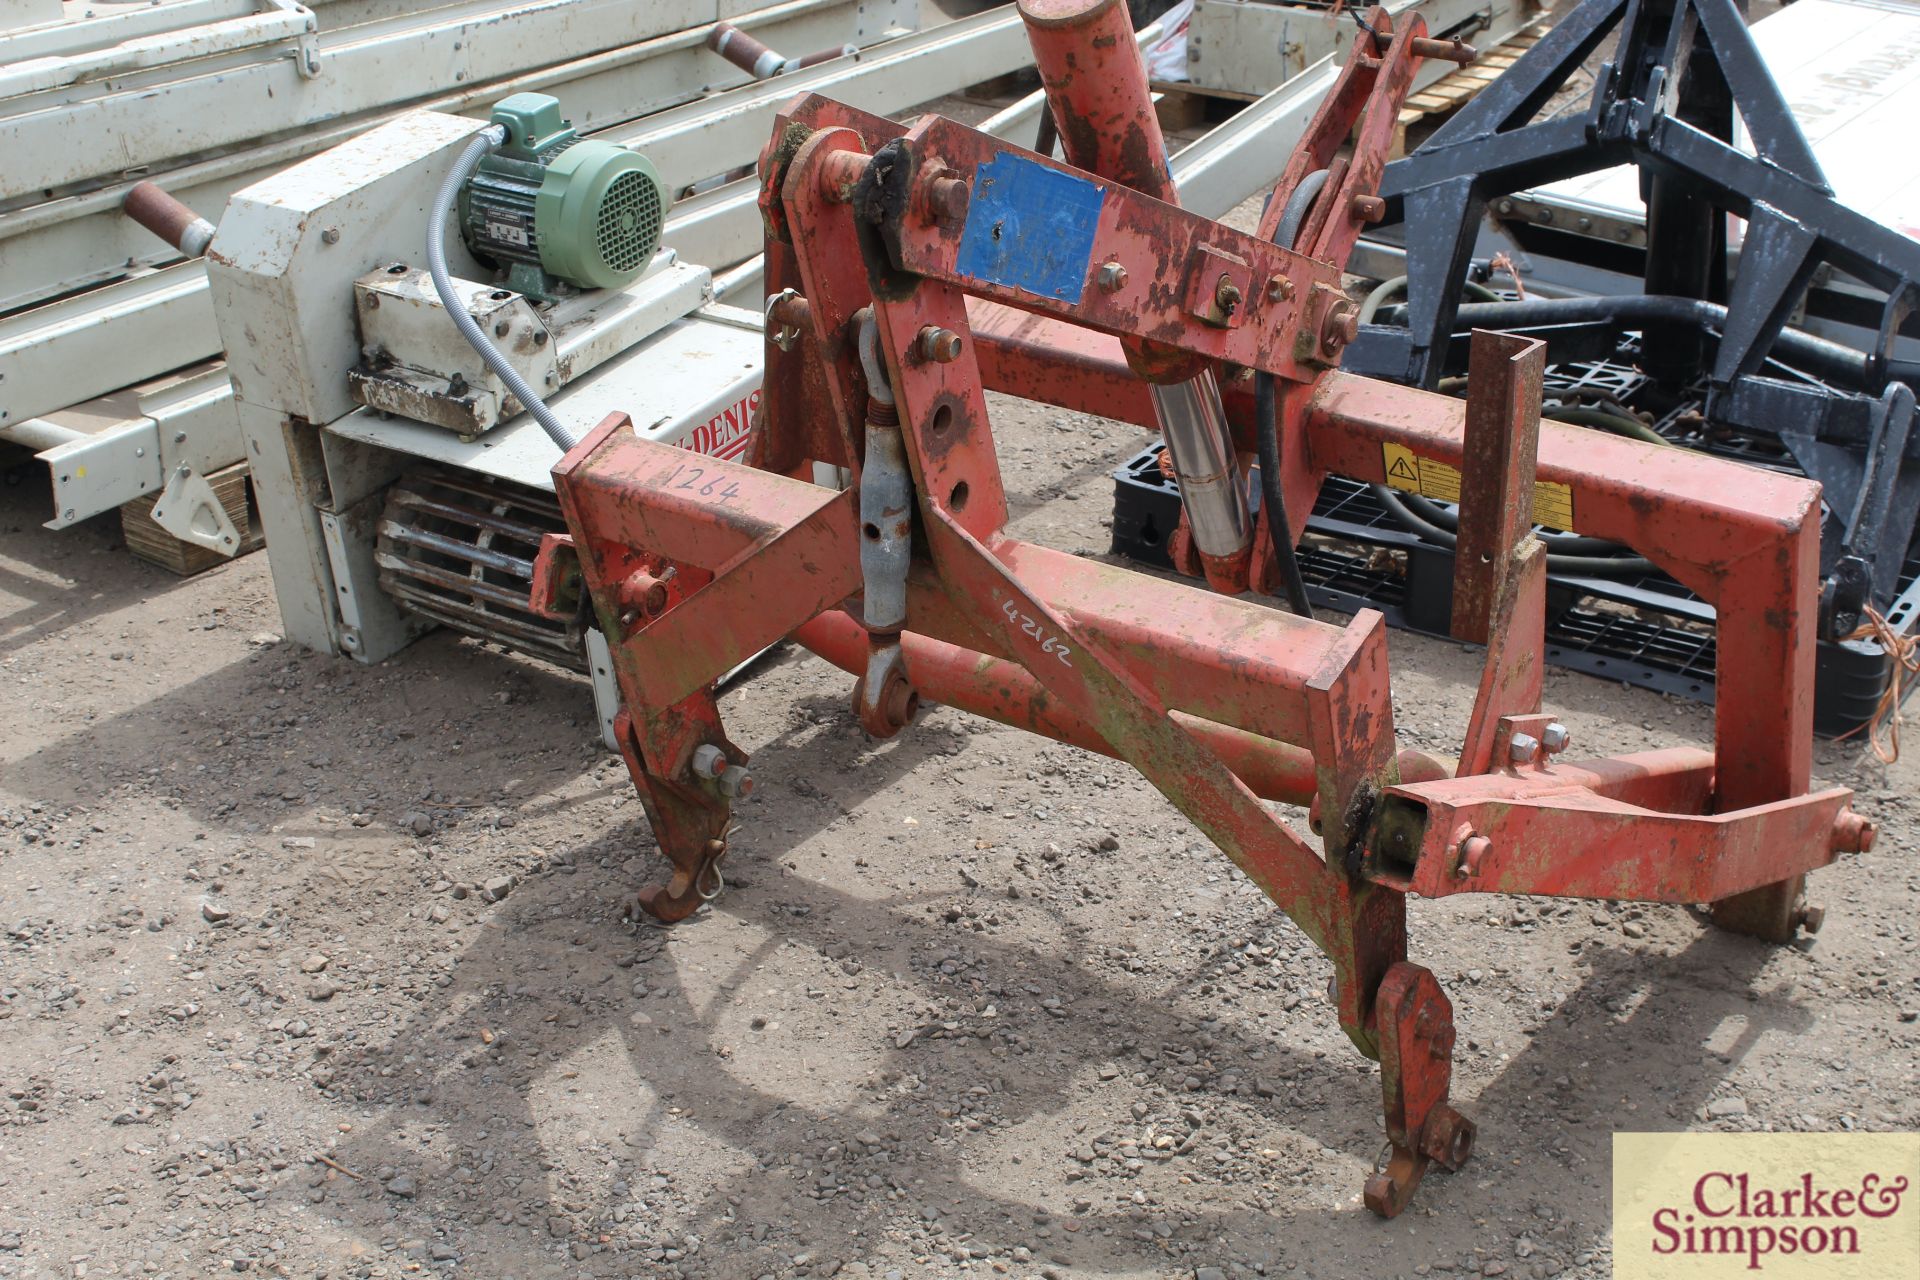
(629, 222)
(460, 551)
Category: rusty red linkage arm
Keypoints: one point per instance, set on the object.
(914, 270)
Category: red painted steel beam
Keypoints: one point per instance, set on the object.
(1096, 85)
(1502, 437)
(1004, 692)
(1233, 662)
(1580, 845)
(1745, 539)
(1164, 253)
(1697, 516)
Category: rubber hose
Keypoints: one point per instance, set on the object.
(1591, 566)
(1295, 212)
(1818, 356)
(1560, 544)
(1396, 284)
(487, 139)
(1266, 413)
(1266, 416)
(1615, 423)
(1427, 518)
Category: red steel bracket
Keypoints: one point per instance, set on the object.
(1416, 1072)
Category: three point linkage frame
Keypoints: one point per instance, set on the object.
(914, 270)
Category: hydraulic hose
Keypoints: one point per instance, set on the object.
(1616, 423)
(1394, 285)
(1589, 566)
(1817, 356)
(487, 139)
(1566, 552)
(1266, 416)
(1295, 211)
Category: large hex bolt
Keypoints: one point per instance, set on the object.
(1523, 748)
(1339, 326)
(1226, 296)
(1112, 277)
(735, 782)
(1555, 738)
(711, 763)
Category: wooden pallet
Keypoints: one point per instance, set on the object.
(156, 546)
(1453, 91)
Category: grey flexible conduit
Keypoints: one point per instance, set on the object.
(487, 139)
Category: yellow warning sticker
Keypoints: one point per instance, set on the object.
(1552, 503)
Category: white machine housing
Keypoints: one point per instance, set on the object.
(289, 270)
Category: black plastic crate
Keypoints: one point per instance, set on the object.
(1647, 631)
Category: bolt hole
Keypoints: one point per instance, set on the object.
(871, 531)
(957, 500)
(996, 229)
(500, 295)
(943, 417)
(397, 269)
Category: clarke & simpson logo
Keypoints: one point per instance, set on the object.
(1831, 1205)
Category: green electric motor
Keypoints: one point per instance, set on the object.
(553, 209)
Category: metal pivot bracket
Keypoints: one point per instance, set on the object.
(306, 43)
(1416, 1072)
(188, 509)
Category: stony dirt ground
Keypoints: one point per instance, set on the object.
(972, 1003)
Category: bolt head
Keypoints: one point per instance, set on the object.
(709, 761)
(950, 196)
(1555, 738)
(1341, 326)
(1279, 289)
(1112, 277)
(1523, 748)
(942, 346)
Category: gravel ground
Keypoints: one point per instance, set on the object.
(316, 969)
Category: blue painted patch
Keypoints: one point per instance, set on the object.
(1030, 227)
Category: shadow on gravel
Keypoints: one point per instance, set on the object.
(52, 580)
(1631, 1033)
(232, 747)
(550, 976)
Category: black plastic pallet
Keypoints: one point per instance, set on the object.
(1647, 631)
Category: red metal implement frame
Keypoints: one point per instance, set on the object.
(693, 564)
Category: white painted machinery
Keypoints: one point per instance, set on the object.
(400, 480)
(108, 347)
